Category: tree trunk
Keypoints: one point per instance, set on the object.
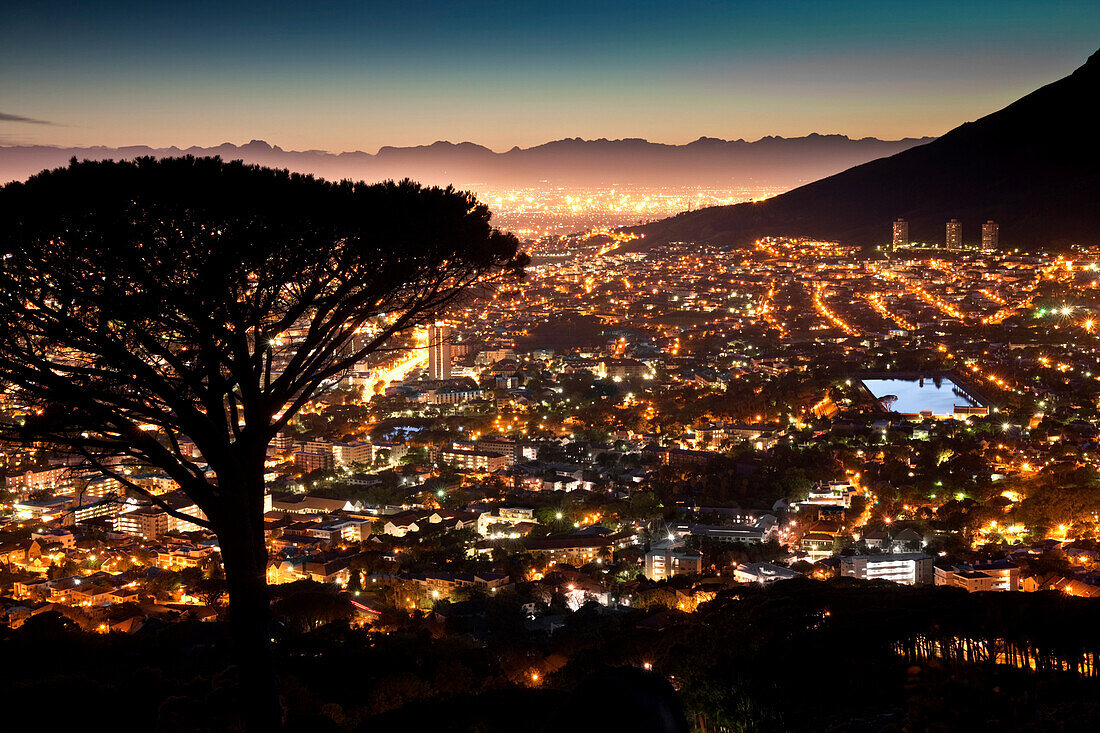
(244, 555)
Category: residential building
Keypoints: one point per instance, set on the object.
(454, 395)
(734, 533)
(358, 451)
(300, 504)
(149, 522)
(440, 585)
(579, 549)
(833, 493)
(911, 568)
(59, 480)
(1001, 575)
(307, 462)
(351, 529)
(62, 537)
(488, 523)
(954, 233)
(990, 235)
(620, 369)
(317, 446)
(473, 460)
(282, 441)
(390, 451)
(145, 522)
(662, 563)
(439, 351)
(42, 509)
(901, 233)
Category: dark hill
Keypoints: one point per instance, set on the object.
(1034, 167)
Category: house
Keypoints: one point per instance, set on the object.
(402, 524)
(92, 595)
(285, 570)
(127, 625)
(29, 588)
(1054, 581)
(876, 539)
(454, 520)
(907, 540)
(14, 552)
(124, 595)
(818, 545)
(62, 537)
(327, 571)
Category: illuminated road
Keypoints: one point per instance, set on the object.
(818, 295)
(876, 302)
(419, 356)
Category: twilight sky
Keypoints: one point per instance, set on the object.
(358, 75)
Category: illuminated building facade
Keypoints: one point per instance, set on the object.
(990, 235)
(909, 568)
(954, 235)
(663, 563)
(901, 233)
(439, 351)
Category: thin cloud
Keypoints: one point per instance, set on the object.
(5, 117)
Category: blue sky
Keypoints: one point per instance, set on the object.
(358, 75)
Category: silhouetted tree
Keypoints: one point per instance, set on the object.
(308, 605)
(154, 301)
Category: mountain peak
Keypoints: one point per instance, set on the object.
(573, 161)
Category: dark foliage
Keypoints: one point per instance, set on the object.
(152, 301)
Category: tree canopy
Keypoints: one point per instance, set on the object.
(153, 300)
(154, 305)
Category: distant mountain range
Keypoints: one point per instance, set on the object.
(774, 162)
(1034, 167)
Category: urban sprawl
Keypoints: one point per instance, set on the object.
(635, 431)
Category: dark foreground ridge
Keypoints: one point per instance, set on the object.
(1032, 167)
(912, 659)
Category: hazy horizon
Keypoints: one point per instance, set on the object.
(374, 150)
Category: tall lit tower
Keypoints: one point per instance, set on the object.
(439, 351)
(901, 233)
(990, 235)
(954, 234)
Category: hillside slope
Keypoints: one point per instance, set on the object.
(1034, 167)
